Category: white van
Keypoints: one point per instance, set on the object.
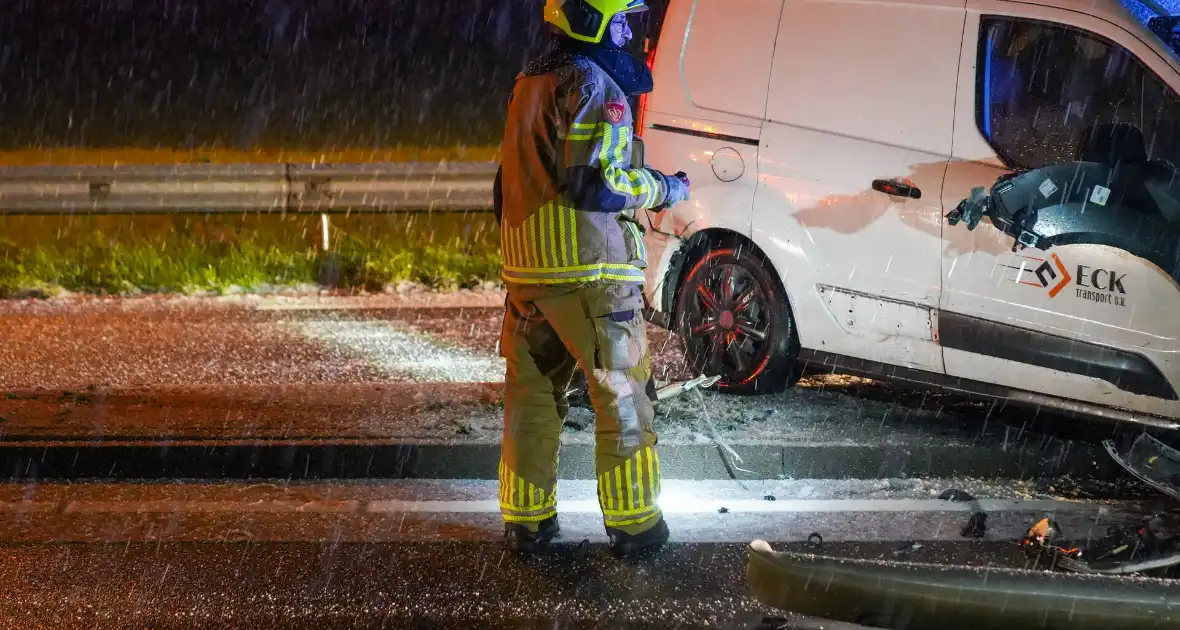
(827, 142)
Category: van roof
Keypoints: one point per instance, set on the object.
(1129, 13)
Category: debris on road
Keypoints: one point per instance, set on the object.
(907, 548)
(671, 390)
(976, 525)
(1150, 461)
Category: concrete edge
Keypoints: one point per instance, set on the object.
(330, 459)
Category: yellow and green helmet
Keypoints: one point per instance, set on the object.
(587, 20)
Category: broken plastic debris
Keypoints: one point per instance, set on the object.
(672, 390)
(907, 547)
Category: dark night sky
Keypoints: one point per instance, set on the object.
(292, 73)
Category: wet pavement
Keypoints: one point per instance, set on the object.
(330, 462)
(388, 367)
(439, 585)
(425, 553)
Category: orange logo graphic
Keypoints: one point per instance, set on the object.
(1046, 269)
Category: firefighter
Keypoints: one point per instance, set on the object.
(574, 265)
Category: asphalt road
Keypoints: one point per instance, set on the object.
(426, 553)
(296, 464)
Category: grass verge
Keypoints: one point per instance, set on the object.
(178, 263)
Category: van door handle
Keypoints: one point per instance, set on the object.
(896, 188)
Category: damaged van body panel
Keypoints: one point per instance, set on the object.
(840, 177)
(1082, 308)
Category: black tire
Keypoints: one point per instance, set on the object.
(719, 323)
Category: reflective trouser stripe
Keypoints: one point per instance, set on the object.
(523, 502)
(629, 493)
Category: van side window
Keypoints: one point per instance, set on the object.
(1049, 93)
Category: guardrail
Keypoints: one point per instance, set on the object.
(255, 188)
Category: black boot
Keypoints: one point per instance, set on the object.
(624, 544)
(521, 540)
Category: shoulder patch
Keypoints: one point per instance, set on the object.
(614, 110)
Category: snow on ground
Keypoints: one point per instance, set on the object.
(351, 367)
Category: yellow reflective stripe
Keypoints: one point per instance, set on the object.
(652, 474)
(551, 233)
(518, 244)
(574, 238)
(507, 244)
(564, 244)
(624, 142)
(639, 478)
(523, 501)
(613, 516)
(572, 268)
(604, 498)
(572, 280)
(619, 489)
(639, 182)
(530, 239)
(659, 476)
(543, 253)
(620, 181)
(608, 140)
(642, 494)
(630, 486)
(639, 246)
(554, 244)
(518, 238)
(649, 184)
(634, 521)
(617, 178)
(532, 518)
(611, 173)
(501, 481)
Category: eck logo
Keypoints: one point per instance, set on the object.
(1093, 284)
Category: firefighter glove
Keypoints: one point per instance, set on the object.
(677, 189)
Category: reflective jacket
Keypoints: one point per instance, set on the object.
(567, 182)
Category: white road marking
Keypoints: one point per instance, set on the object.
(464, 496)
(466, 510)
(751, 506)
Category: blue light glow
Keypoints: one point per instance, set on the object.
(987, 84)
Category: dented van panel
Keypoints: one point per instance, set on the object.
(973, 219)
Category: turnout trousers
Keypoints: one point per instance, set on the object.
(548, 330)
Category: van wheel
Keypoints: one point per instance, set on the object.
(734, 320)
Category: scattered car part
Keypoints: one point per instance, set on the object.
(672, 390)
(1129, 203)
(922, 596)
(976, 525)
(1153, 544)
(1150, 461)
